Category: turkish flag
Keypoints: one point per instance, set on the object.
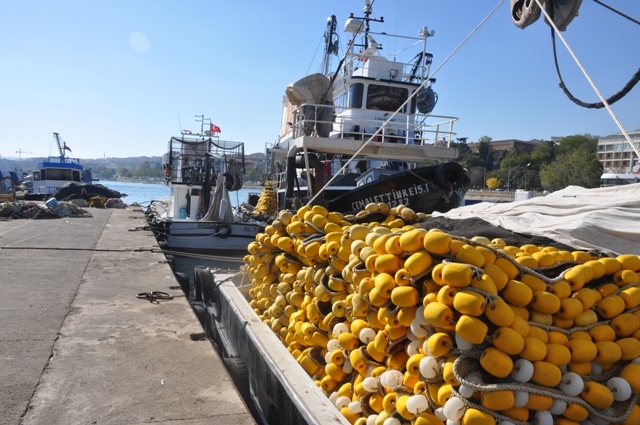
(215, 129)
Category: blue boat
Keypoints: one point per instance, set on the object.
(56, 172)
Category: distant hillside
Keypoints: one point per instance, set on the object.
(26, 164)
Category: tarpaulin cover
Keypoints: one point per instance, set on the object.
(601, 219)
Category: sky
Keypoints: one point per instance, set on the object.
(118, 78)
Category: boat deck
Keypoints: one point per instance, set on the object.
(79, 347)
(374, 150)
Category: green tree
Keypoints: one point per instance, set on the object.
(578, 167)
(484, 152)
(254, 174)
(543, 153)
(578, 141)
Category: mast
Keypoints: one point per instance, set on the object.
(60, 147)
(331, 44)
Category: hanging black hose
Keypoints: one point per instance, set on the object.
(598, 105)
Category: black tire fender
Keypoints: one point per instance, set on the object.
(207, 284)
(229, 181)
(224, 230)
(449, 175)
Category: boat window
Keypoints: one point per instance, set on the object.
(342, 100)
(57, 174)
(355, 95)
(76, 176)
(36, 175)
(386, 98)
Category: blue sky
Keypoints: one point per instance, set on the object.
(118, 78)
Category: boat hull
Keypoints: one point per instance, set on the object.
(209, 236)
(425, 189)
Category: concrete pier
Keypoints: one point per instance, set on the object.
(77, 346)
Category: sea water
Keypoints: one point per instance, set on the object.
(144, 193)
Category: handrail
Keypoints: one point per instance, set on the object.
(348, 123)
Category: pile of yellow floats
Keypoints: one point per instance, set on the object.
(267, 201)
(402, 325)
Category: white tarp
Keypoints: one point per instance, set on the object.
(602, 219)
(220, 208)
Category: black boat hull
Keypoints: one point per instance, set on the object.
(425, 189)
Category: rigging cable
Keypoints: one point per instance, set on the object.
(554, 30)
(596, 105)
(617, 11)
(390, 118)
(314, 55)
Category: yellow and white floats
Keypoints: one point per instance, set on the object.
(399, 324)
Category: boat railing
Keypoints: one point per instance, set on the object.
(399, 65)
(63, 160)
(358, 124)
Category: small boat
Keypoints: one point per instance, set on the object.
(56, 172)
(201, 170)
(365, 132)
(610, 178)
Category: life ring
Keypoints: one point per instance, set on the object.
(223, 231)
(449, 175)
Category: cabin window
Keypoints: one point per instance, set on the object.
(36, 175)
(76, 176)
(57, 174)
(355, 95)
(342, 101)
(386, 98)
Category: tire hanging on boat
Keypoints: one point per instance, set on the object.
(223, 231)
(233, 178)
(450, 175)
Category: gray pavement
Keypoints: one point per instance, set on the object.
(78, 347)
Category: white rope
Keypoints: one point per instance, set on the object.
(390, 118)
(586, 74)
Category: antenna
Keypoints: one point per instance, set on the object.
(179, 122)
(202, 120)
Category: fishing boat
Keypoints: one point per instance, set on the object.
(56, 172)
(270, 377)
(201, 170)
(365, 132)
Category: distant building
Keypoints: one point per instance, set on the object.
(615, 154)
(501, 147)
